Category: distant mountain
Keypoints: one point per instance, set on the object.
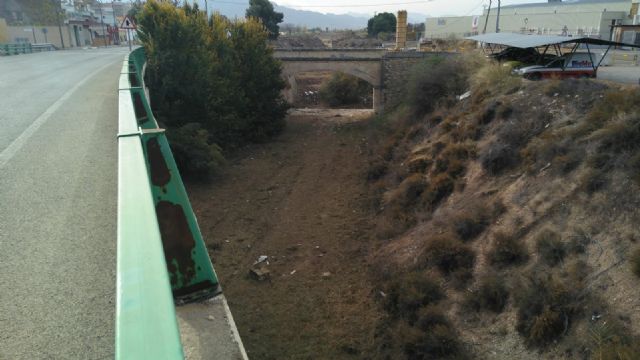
(306, 18)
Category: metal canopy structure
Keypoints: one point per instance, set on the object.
(545, 41)
(532, 41)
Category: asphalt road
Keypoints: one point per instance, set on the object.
(628, 74)
(58, 163)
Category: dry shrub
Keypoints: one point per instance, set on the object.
(419, 164)
(409, 191)
(503, 153)
(593, 180)
(578, 241)
(377, 169)
(430, 316)
(614, 103)
(571, 87)
(409, 292)
(438, 342)
(620, 136)
(440, 187)
(555, 148)
(452, 159)
(613, 341)
(507, 250)
(498, 157)
(434, 81)
(550, 247)
(465, 130)
(494, 79)
(393, 223)
(471, 223)
(489, 112)
(491, 294)
(544, 306)
(448, 254)
(635, 262)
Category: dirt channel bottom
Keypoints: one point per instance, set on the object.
(301, 200)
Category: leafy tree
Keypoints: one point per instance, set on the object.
(383, 22)
(263, 10)
(213, 82)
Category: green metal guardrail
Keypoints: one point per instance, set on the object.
(160, 247)
(15, 49)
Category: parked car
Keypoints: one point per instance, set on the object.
(576, 65)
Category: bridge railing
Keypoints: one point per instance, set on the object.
(15, 49)
(161, 254)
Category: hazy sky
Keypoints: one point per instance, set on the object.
(431, 7)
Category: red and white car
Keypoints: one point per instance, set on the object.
(576, 65)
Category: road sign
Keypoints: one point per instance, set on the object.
(128, 24)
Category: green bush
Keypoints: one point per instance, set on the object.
(507, 250)
(550, 247)
(195, 155)
(344, 89)
(215, 72)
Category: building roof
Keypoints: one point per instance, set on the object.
(528, 41)
(565, 2)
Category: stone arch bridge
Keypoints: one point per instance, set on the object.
(386, 71)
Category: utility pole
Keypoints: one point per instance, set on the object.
(206, 8)
(58, 10)
(486, 21)
(104, 36)
(116, 35)
(498, 18)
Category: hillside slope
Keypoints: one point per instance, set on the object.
(509, 219)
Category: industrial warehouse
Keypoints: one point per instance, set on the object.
(615, 20)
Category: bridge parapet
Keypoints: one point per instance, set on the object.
(328, 54)
(162, 257)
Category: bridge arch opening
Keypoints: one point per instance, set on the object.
(329, 89)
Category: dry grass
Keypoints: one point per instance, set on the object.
(494, 79)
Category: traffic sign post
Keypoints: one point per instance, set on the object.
(129, 25)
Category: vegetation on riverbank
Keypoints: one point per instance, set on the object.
(214, 83)
(516, 205)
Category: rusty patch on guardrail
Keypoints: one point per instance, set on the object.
(159, 171)
(177, 241)
(138, 107)
(133, 80)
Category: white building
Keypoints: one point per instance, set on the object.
(592, 18)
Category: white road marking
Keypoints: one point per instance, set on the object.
(17, 144)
